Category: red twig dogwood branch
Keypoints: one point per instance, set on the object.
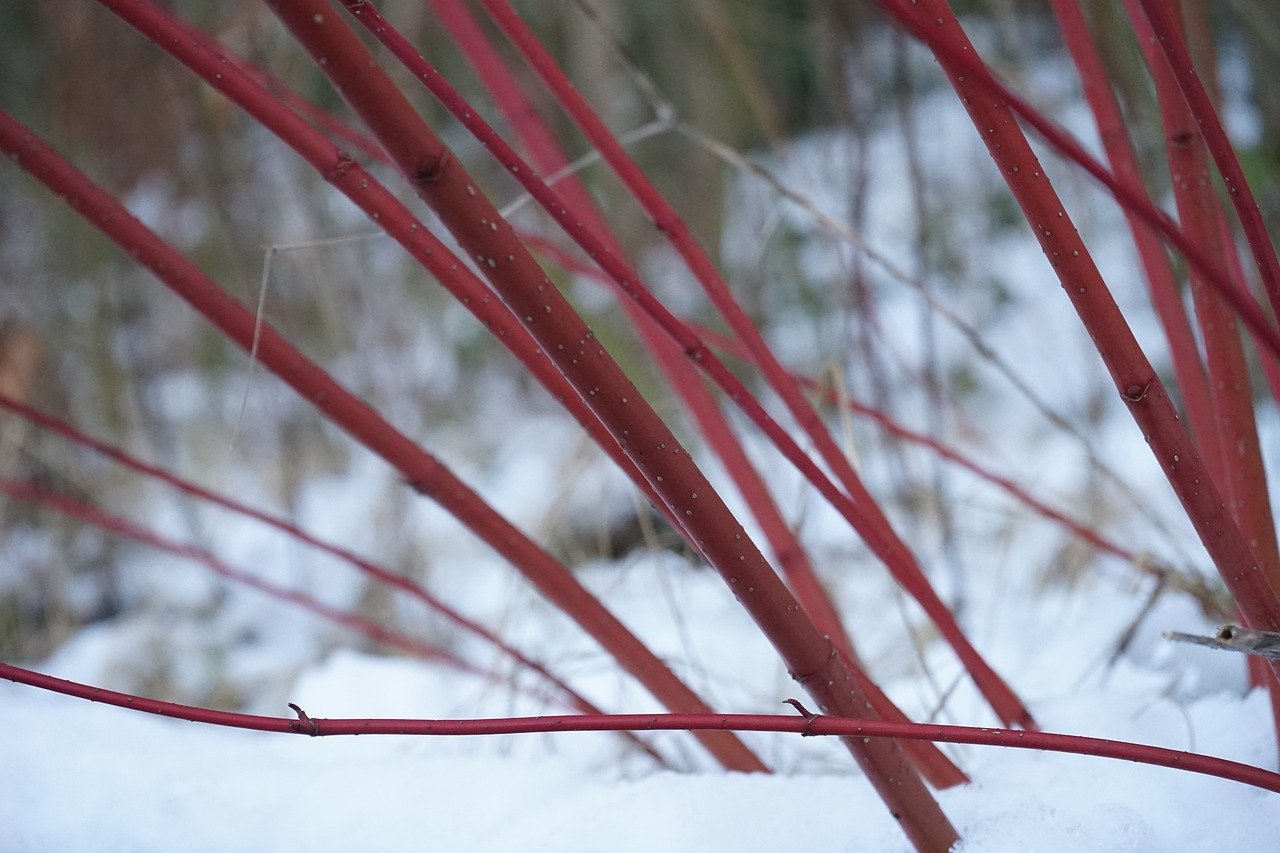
(373, 570)
(806, 725)
(1168, 32)
(422, 471)
(570, 205)
(1239, 471)
(442, 182)
(856, 503)
(990, 108)
(965, 63)
(1156, 265)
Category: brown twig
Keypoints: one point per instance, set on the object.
(1233, 638)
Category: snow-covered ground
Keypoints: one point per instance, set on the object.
(79, 776)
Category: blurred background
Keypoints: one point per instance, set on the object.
(840, 109)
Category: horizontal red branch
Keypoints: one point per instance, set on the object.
(808, 726)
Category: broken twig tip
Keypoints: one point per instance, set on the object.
(304, 722)
(809, 717)
(1233, 638)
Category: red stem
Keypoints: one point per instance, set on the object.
(1168, 32)
(1243, 478)
(441, 181)
(1132, 373)
(571, 205)
(1161, 281)
(1270, 363)
(864, 513)
(966, 64)
(422, 471)
(808, 726)
(405, 585)
(1200, 37)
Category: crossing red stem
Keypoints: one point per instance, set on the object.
(368, 567)
(856, 503)
(1168, 31)
(991, 109)
(571, 206)
(421, 471)
(442, 182)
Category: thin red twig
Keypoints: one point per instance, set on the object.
(857, 504)
(571, 206)
(1168, 32)
(373, 570)
(806, 725)
(444, 184)
(968, 66)
(422, 471)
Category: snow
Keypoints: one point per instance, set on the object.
(83, 777)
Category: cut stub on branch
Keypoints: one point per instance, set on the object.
(1233, 638)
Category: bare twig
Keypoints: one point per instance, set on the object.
(1233, 638)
